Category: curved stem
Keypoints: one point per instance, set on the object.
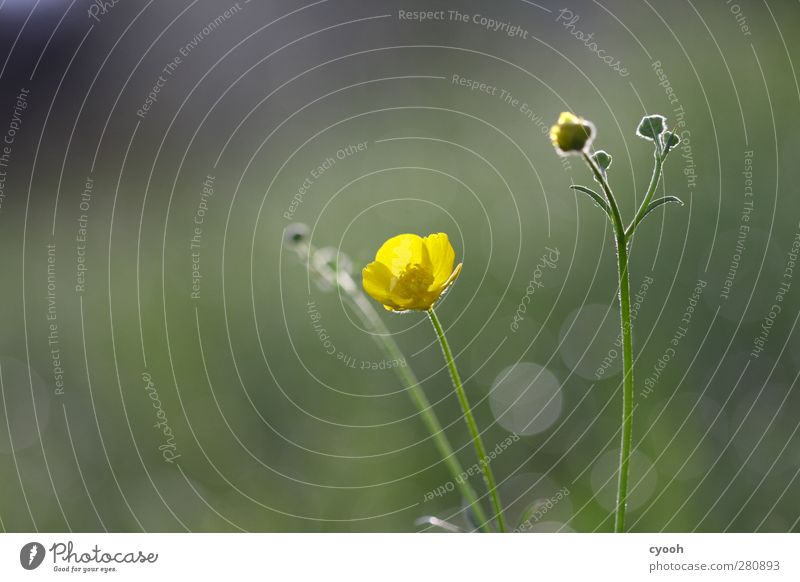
(651, 190)
(425, 409)
(488, 476)
(371, 319)
(616, 217)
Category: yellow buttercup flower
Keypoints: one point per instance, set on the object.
(411, 272)
(572, 134)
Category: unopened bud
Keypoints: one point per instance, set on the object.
(572, 134)
(651, 127)
(602, 159)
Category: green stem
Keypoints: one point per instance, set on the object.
(371, 319)
(622, 241)
(616, 217)
(488, 476)
(425, 409)
(626, 438)
(651, 190)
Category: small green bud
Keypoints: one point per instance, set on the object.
(602, 159)
(651, 127)
(670, 140)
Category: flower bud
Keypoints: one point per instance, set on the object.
(572, 134)
(602, 159)
(295, 233)
(669, 140)
(651, 127)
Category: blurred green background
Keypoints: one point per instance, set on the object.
(270, 432)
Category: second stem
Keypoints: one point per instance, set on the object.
(480, 450)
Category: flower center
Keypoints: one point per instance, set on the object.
(414, 281)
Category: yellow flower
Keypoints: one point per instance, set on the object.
(411, 272)
(572, 134)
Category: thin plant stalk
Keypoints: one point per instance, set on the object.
(659, 155)
(370, 318)
(622, 238)
(626, 438)
(480, 450)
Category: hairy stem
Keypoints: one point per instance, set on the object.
(626, 437)
(616, 217)
(651, 190)
(480, 450)
(622, 241)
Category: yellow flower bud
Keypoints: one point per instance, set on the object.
(572, 134)
(411, 272)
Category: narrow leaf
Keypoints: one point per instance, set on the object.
(599, 200)
(660, 201)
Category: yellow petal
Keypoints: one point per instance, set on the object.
(451, 279)
(402, 250)
(554, 131)
(435, 293)
(411, 273)
(377, 281)
(567, 117)
(442, 257)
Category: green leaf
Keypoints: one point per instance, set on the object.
(599, 200)
(659, 202)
